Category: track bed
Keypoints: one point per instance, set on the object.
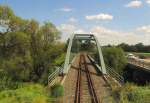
(84, 85)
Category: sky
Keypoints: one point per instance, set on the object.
(112, 21)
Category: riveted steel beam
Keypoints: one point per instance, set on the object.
(83, 37)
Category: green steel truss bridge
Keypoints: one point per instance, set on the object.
(84, 75)
(80, 37)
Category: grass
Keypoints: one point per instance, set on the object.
(143, 54)
(140, 54)
(28, 93)
(131, 93)
(36, 93)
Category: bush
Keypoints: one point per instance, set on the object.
(59, 60)
(131, 93)
(115, 58)
(28, 93)
(57, 90)
(7, 83)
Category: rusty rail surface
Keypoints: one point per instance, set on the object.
(78, 85)
(90, 83)
(83, 65)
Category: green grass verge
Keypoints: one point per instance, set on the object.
(131, 93)
(28, 93)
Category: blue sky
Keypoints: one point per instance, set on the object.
(129, 19)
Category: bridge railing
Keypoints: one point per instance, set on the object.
(139, 62)
(111, 72)
(115, 75)
(58, 71)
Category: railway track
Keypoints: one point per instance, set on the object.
(83, 67)
(78, 84)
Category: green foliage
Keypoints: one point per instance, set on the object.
(5, 12)
(115, 58)
(11, 22)
(28, 52)
(57, 90)
(15, 56)
(49, 31)
(135, 48)
(27, 93)
(18, 68)
(131, 93)
(59, 60)
(14, 44)
(7, 83)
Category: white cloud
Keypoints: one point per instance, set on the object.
(100, 16)
(134, 4)
(81, 31)
(66, 9)
(66, 30)
(108, 36)
(144, 29)
(72, 20)
(148, 2)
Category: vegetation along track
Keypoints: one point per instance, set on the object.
(78, 94)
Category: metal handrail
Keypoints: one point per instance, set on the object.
(57, 71)
(111, 72)
(115, 75)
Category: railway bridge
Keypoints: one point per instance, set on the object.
(138, 71)
(84, 75)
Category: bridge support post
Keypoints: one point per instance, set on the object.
(67, 59)
(102, 64)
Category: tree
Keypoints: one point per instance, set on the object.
(15, 43)
(15, 52)
(43, 41)
(10, 22)
(28, 52)
(115, 58)
(135, 48)
(140, 47)
(50, 33)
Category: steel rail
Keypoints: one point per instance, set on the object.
(78, 84)
(83, 65)
(90, 83)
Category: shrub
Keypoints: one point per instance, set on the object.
(115, 58)
(28, 93)
(131, 93)
(7, 83)
(57, 90)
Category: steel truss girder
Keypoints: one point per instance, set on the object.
(87, 36)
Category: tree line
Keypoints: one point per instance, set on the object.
(140, 47)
